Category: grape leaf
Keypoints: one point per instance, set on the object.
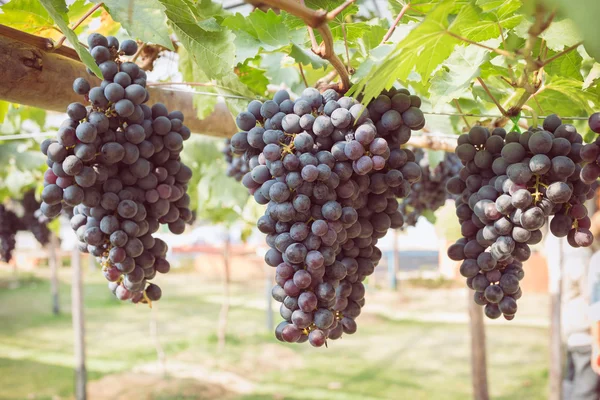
(213, 52)
(253, 78)
(279, 71)
(371, 39)
(306, 57)
(592, 76)
(561, 34)
(261, 30)
(568, 65)
(585, 16)
(457, 73)
(3, 110)
(204, 105)
(26, 15)
(421, 51)
(354, 32)
(435, 157)
(480, 26)
(418, 8)
(57, 9)
(429, 216)
(562, 96)
(294, 22)
(231, 85)
(143, 20)
(34, 114)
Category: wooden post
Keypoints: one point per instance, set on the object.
(78, 327)
(222, 327)
(33, 76)
(555, 329)
(478, 350)
(53, 263)
(394, 264)
(268, 297)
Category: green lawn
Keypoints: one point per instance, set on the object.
(386, 359)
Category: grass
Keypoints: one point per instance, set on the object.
(386, 359)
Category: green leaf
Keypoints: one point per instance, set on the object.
(429, 216)
(561, 34)
(567, 66)
(371, 39)
(143, 20)
(3, 110)
(213, 52)
(457, 73)
(279, 71)
(327, 5)
(204, 105)
(564, 97)
(253, 78)
(26, 15)
(261, 30)
(421, 51)
(306, 57)
(57, 9)
(205, 9)
(480, 26)
(584, 14)
(37, 115)
(435, 157)
(231, 84)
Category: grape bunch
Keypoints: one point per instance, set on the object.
(116, 162)
(33, 220)
(9, 226)
(329, 171)
(590, 153)
(430, 192)
(508, 187)
(237, 166)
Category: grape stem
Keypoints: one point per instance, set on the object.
(318, 19)
(83, 18)
(502, 52)
(560, 54)
(138, 52)
(489, 93)
(302, 74)
(395, 23)
(343, 26)
(457, 104)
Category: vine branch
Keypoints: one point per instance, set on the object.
(302, 74)
(395, 23)
(76, 25)
(502, 52)
(336, 11)
(457, 104)
(562, 53)
(489, 93)
(318, 19)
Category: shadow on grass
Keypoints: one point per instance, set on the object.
(36, 379)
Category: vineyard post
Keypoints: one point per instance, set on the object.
(224, 313)
(394, 262)
(556, 362)
(53, 262)
(478, 350)
(78, 326)
(269, 297)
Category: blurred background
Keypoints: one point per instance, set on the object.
(211, 335)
